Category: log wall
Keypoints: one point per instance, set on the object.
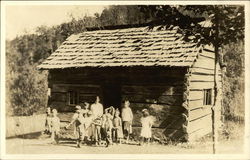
(158, 89)
(202, 77)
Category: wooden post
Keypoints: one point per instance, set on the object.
(216, 52)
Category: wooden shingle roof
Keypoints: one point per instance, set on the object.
(123, 47)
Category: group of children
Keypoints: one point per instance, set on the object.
(92, 123)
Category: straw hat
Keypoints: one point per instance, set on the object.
(78, 107)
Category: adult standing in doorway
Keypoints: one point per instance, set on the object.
(127, 118)
(97, 112)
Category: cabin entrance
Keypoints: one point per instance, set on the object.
(112, 95)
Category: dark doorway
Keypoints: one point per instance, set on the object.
(112, 95)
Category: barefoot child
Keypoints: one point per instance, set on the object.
(89, 126)
(97, 112)
(48, 121)
(78, 120)
(147, 122)
(117, 127)
(127, 118)
(55, 127)
(107, 124)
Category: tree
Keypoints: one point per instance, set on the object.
(24, 84)
(216, 25)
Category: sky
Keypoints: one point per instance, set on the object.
(21, 19)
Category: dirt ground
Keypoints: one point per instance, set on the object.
(43, 146)
(230, 142)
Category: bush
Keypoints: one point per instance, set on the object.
(26, 87)
(233, 82)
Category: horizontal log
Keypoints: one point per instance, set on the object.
(196, 135)
(200, 77)
(169, 100)
(201, 85)
(194, 104)
(207, 55)
(195, 94)
(208, 50)
(175, 134)
(200, 112)
(87, 98)
(164, 114)
(204, 62)
(97, 75)
(59, 97)
(204, 122)
(94, 89)
(160, 90)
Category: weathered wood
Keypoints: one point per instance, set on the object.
(61, 106)
(199, 77)
(86, 88)
(195, 103)
(202, 77)
(201, 85)
(165, 115)
(200, 132)
(90, 98)
(195, 94)
(59, 96)
(204, 122)
(175, 134)
(199, 112)
(211, 56)
(162, 90)
(169, 100)
(204, 62)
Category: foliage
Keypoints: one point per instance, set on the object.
(26, 86)
(200, 23)
(219, 25)
(233, 81)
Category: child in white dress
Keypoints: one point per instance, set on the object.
(55, 127)
(147, 122)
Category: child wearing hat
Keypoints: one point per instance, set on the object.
(79, 129)
(55, 127)
(85, 109)
(147, 122)
(107, 124)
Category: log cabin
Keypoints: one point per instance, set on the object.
(152, 68)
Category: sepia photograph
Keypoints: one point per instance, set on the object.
(106, 79)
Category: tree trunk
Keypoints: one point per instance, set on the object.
(214, 108)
